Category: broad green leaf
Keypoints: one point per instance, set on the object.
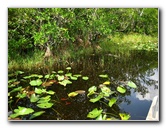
(45, 105)
(37, 82)
(68, 68)
(14, 115)
(68, 74)
(21, 111)
(34, 98)
(60, 71)
(36, 114)
(65, 82)
(16, 89)
(132, 84)
(50, 92)
(72, 94)
(73, 78)
(99, 117)
(85, 78)
(106, 91)
(47, 76)
(45, 98)
(91, 90)
(103, 76)
(124, 116)
(21, 95)
(40, 90)
(60, 78)
(94, 113)
(121, 89)
(112, 101)
(93, 100)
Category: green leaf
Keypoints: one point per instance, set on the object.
(85, 78)
(47, 76)
(34, 98)
(72, 94)
(60, 78)
(21, 111)
(68, 68)
(91, 90)
(103, 76)
(50, 92)
(132, 84)
(124, 116)
(121, 89)
(106, 91)
(37, 82)
(112, 101)
(73, 78)
(68, 74)
(60, 71)
(65, 82)
(94, 113)
(93, 100)
(99, 117)
(40, 90)
(21, 95)
(16, 89)
(36, 114)
(45, 105)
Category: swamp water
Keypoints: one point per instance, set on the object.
(140, 67)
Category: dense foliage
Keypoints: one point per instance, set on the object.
(36, 28)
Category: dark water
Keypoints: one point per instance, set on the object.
(141, 67)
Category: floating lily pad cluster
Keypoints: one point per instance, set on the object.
(103, 91)
(39, 94)
(37, 90)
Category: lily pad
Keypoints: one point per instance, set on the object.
(45, 105)
(60, 71)
(36, 114)
(68, 68)
(21, 111)
(34, 98)
(93, 100)
(37, 82)
(132, 84)
(94, 113)
(112, 101)
(121, 89)
(65, 82)
(106, 91)
(103, 76)
(61, 77)
(91, 90)
(85, 78)
(73, 78)
(40, 90)
(124, 116)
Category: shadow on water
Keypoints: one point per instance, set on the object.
(141, 67)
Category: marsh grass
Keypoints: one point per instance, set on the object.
(114, 44)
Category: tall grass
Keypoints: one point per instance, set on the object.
(114, 44)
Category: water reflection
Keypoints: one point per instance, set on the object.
(141, 67)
